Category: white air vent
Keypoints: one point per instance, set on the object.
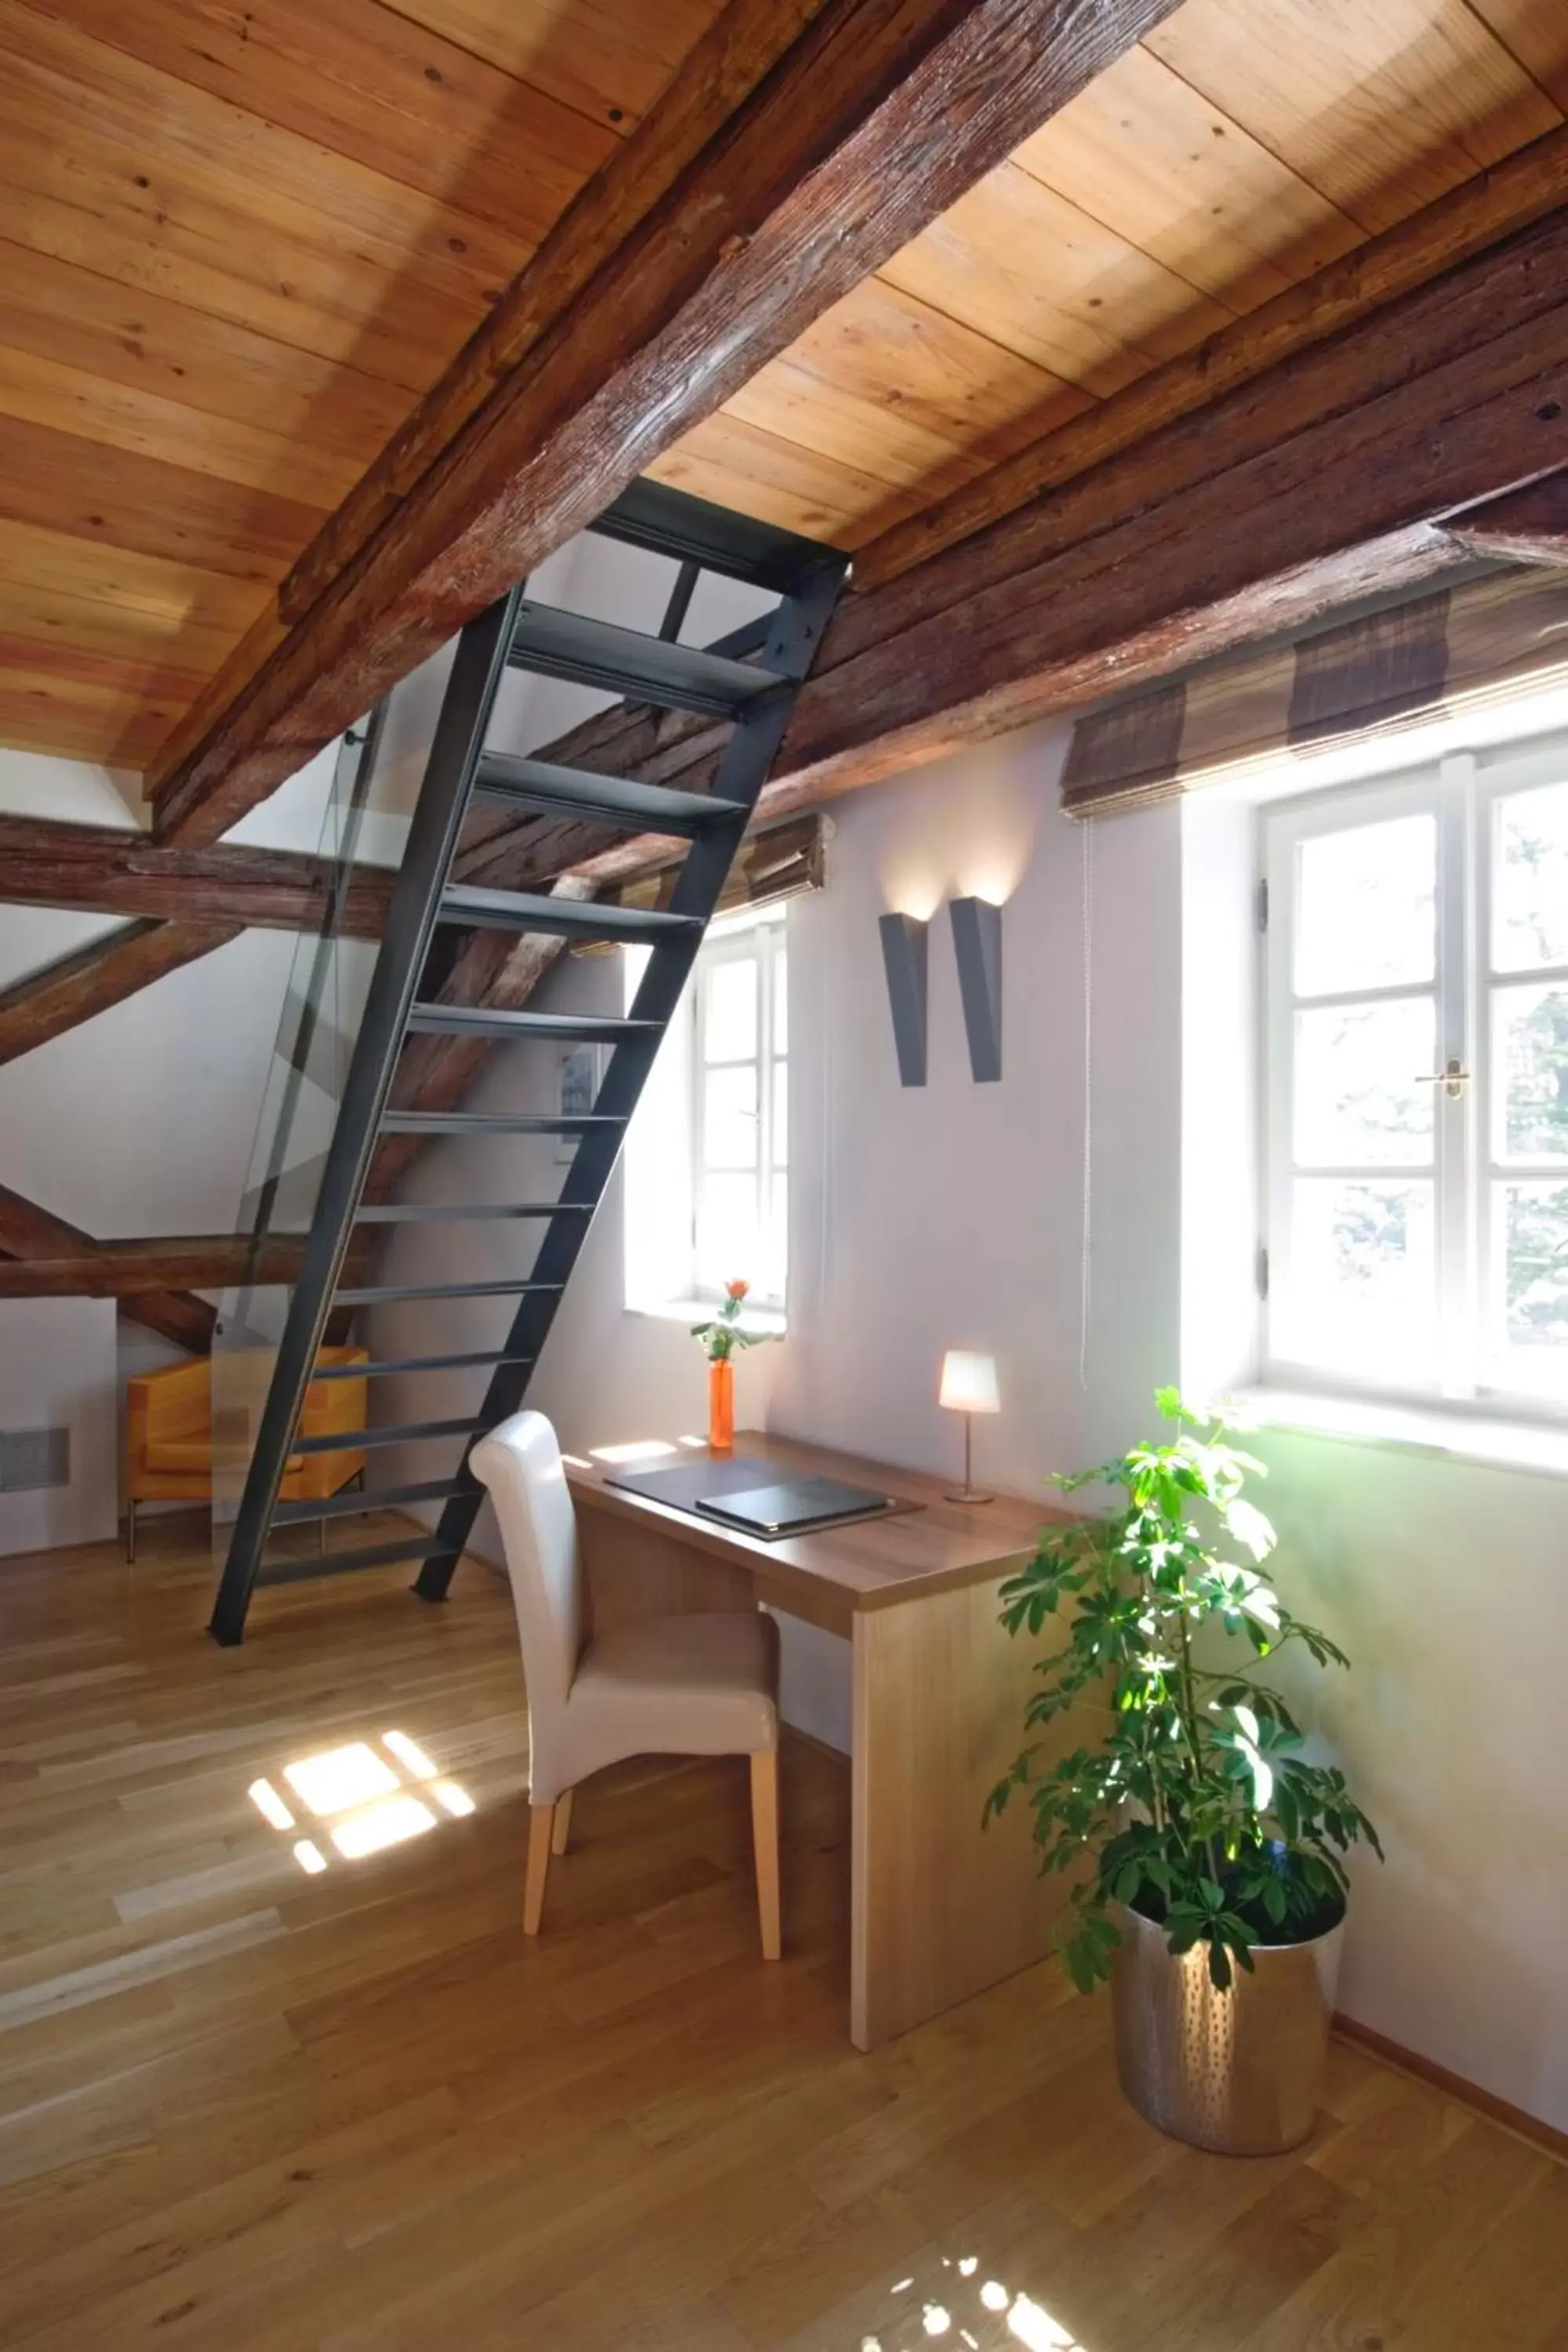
(31, 1458)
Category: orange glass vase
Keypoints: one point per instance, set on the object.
(722, 1407)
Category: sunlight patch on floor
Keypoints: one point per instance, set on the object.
(963, 2304)
(361, 1792)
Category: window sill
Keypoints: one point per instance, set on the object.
(766, 1322)
(1410, 1428)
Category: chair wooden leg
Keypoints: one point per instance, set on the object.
(562, 1829)
(540, 1820)
(765, 1839)
(131, 1535)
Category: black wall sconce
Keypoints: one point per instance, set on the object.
(977, 946)
(904, 962)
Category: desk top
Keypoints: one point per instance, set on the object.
(869, 1563)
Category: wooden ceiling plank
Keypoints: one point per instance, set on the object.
(876, 118)
(1380, 108)
(737, 464)
(121, 503)
(160, 590)
(364, 81)
(30, 1233)
(129, 335)
(1100, 314)
(1145, 154)
(1537, 34)
(114, 870)
(610, 64)
(47, 1003)
(318, 210)
(903, 394)
(31, 721)
(80, 627)
(1489, 208)
(96, 408)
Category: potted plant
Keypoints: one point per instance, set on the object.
(721, 1336)
(1215, 1899)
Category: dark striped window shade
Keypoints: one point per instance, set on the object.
(778, 863)
(1433, 657)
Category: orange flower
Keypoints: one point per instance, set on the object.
(737, 1289)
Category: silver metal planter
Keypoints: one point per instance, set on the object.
(1240, 2072)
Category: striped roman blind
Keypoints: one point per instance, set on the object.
(1437, 654)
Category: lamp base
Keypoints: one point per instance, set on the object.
(966, 1495)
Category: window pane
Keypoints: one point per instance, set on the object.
(1532, 1223)
(730, 1117)
(1530, 1057)
(781, 1114)
(728, 1243)
(1530, 880)
(781, 1002)
(730, 1024)
(1358, 1099)
(1365, 902)
(1362, 1275)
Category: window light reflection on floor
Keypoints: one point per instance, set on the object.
(940, 2316)
(367, 1801)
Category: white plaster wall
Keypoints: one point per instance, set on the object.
(57, 1370)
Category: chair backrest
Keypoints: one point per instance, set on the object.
(520, 1461)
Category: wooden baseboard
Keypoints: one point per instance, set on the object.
(1513, 2119)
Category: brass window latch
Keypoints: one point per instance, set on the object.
(1453, 1078)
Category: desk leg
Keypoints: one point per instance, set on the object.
(939, 1907)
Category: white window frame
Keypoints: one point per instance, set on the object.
(665, 1162)
(1472, 1371)
(762, 939)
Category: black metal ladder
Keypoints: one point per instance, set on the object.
(752, 681)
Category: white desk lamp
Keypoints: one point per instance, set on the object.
(968, 1386)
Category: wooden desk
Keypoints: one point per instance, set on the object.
(940, 1908)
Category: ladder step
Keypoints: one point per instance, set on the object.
(346, 1506)
(473, 1358)
(490, 1021)
(541, 786)
(380, 1293)
(351, 1441)
(477, 1123)
(310, 1570)
(562, 919)
(694, 531)
(638, 668)
(425, 1212)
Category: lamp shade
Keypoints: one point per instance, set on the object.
(969, 1382)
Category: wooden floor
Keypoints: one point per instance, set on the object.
(246, 2109)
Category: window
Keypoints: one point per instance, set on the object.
(707, 1158)
(1417, 1040)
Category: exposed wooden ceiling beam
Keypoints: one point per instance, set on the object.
(131, 1270)
(658, 296)
(71, 989)
(1337, 474)
(110, 870)
(1528, 525)
(29, 1234)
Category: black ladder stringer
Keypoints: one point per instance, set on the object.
(751, 680)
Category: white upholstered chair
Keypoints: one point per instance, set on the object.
(704, 1684)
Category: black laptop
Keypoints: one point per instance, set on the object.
(793, 1505)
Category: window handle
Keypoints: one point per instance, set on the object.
(1453, 1078)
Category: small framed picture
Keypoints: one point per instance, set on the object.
(578, 1089)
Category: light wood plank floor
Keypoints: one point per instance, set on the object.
(257, 2111)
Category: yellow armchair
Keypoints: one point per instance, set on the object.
(169, 1437)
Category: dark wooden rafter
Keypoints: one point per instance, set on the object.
(33, 1238)
(112, 870)
(1353, 467)
(71, 989)
(1528, 525)
(134, 1269)
(828, 159)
